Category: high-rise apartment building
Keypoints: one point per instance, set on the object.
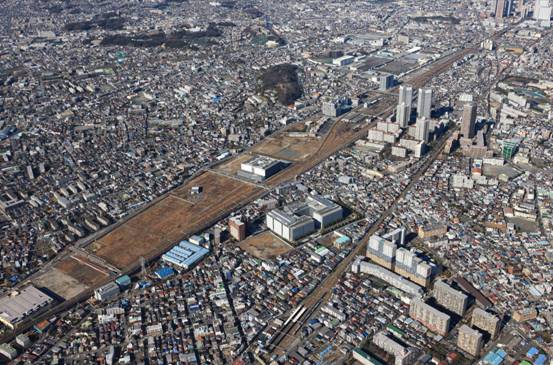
(430, 317)
(450, 298)
(424, 103)
(470, 340)
(423, 129)
(403, 114)
(485, 321)
(468, 121)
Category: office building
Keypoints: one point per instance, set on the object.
(485, 321)
(509, 148)
(260, 168)
(430, 317)
(468, 122)
(19, 305)
(470, 340)
(450, 298)
(298, 220)
(386, 82)
(403, 114)
(237, 229)
(424, 103)
(402, 353)
(423, 129)
(542, 12)
(405, 101)
(107, 292)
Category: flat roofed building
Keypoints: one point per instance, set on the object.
(185, 254)
(259, 168)
(296, 221)
(107, 292)
(391, 278)
(237, 229)
(470, 340)
(485, 321)
(408, 264)
(450, 298)
(21, 304)
(402, 353)
(364, 358)
(324, 211)
(289, 226)
(430, 317)
(381, 251)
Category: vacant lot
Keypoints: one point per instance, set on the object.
(231, 167)
(288, 148)
(178, 215)
(71, 276)
(265, 246)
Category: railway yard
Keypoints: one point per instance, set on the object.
(265, 184)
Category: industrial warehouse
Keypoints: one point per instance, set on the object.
(299, 220)
(185, 254)
(19, 305)
(259, 168)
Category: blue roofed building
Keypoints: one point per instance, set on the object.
(532, 352)
(540, 360)
(185, 255)
(164, 272)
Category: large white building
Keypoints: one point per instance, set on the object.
(288, 225)
(299, 220)
(259, 168)
(107, 292)
(423, 129)
(21, 304)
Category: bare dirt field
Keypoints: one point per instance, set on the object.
(285, 147)
(178, 215)
(231, 167)
(265, 246)
(71, 276)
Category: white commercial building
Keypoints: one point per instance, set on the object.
(289, 226)
(261, 167)
(297, 221)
